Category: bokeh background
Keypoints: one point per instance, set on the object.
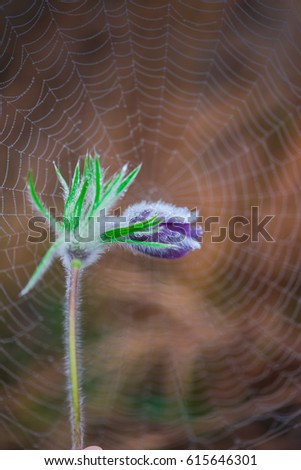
(199, 353)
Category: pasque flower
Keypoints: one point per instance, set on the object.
(176, 232)
(151, 228)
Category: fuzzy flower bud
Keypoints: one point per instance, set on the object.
(177, 230)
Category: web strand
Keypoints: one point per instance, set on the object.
(204, 353)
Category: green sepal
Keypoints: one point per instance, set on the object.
(149, 244)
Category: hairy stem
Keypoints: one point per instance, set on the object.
(72, 353)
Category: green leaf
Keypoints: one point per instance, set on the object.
(113, 182)
(128, 180)
(96, 173)
(79, 203)
(42, 267)
(73, 189)
(34, 196)
(108, 190)
(62, 180)
(97, 177)
(87, 169)
(116, 233)
(107, 184)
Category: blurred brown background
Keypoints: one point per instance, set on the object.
(203, 352)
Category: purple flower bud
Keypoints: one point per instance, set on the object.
(178, 228)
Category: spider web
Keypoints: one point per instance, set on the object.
(203, 352)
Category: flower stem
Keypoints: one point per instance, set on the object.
(72, 353)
